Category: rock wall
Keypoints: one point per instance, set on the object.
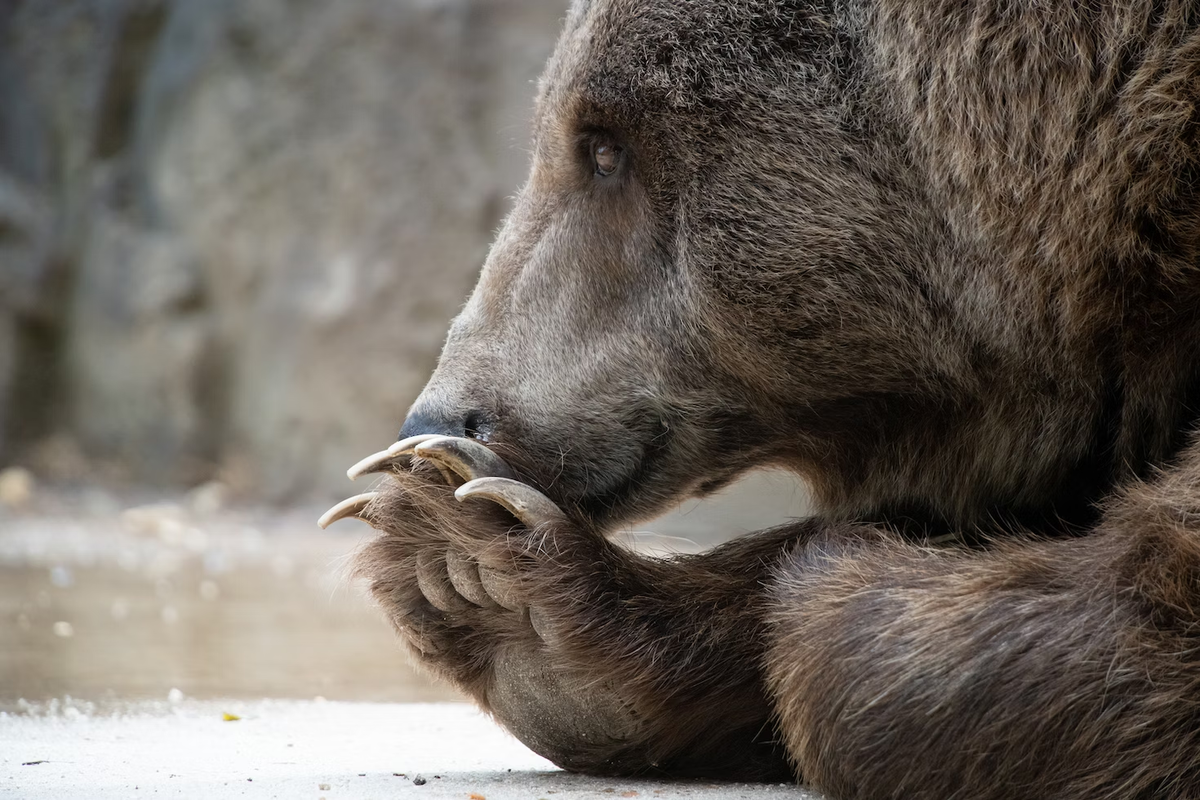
(232, 232)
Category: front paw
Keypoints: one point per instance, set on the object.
(461, 572)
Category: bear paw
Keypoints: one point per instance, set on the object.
(473, 572)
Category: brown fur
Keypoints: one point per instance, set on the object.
(1035, 669)
(939, 258)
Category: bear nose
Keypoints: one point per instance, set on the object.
(443, 421)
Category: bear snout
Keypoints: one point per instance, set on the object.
(447, 420)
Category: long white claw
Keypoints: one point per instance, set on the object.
(466, 457)
(350, 507)
(386, 459)
(522, 501)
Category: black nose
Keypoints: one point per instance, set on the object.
(444, 422)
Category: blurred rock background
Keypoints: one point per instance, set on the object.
(232, 232)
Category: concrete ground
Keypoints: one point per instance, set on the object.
(289, 749)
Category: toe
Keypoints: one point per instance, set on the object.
(502, 587)
(434, 583)
(464, 575)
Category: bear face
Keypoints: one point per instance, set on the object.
(694, 267)
(776, 263)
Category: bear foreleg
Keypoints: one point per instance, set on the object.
(1035, 669)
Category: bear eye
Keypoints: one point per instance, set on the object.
(607, 158)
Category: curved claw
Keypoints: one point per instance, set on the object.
(522, 501)
(468, 458)
(350, 507)
(399, 453)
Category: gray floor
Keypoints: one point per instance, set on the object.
(289, 749)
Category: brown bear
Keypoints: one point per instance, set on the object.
(940, 258)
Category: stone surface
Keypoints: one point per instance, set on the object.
(232, 233)
(289, 749)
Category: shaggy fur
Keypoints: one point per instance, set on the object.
(941, 259)
(1035, 669)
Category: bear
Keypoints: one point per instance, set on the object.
(940, 259)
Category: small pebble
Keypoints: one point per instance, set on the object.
(16, 488)
(418, 781)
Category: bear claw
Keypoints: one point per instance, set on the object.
(350, 507)
(468, 458)
(398, 454)
(522, 501)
